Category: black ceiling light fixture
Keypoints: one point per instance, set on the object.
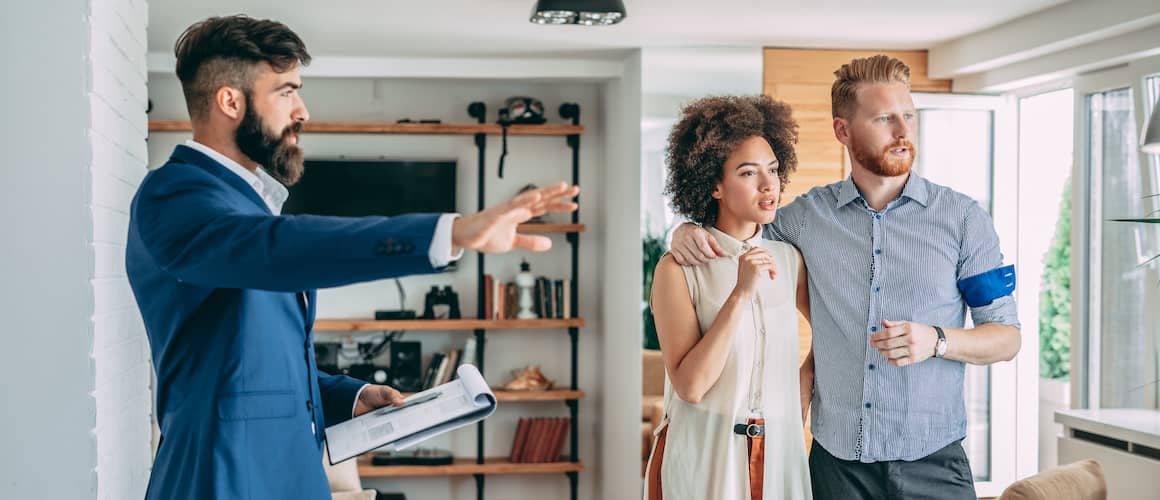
(586, 12)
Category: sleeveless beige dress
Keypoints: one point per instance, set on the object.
(703, 457)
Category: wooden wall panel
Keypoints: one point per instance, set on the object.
(802, 78)
(818, 66)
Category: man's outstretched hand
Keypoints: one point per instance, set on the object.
(494, 230)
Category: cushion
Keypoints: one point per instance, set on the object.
(342, 477)
(1083, 480)
(648, 405)
(652, 373)
(355, 495)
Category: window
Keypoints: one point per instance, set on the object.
(1122, 355)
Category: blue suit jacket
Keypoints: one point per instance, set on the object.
(226, 290)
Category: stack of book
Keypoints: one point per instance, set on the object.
(540, 440)
(443, 365)
(550, 298)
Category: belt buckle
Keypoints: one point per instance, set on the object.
(754, 430)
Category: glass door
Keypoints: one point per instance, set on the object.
(967, 143)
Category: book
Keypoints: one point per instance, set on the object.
(458, 361)
(542, 438)
(567, 298)
(558, 290)
(559, 428)
(444, 370)
(432, 370)
(438, 378)
(550, 287)
(541, 299)
(512, 301)
(500, 300)
(519, 440)
(546, 438)
(422, 416)
(535, 430)
(561, 438)
(488, 296)
(452, 365)
(496, 299)
(469, 351)
(538, 299)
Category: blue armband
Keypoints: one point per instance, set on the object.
(982, 289)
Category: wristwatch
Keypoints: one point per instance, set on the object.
(940, 347)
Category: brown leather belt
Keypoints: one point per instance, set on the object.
(751, 430)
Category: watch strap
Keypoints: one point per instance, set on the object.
(940, 345)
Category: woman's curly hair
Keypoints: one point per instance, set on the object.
(712, 127)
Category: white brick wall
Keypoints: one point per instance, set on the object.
(116, 134)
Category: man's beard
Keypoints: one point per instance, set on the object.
(882, 163)
(281, 159)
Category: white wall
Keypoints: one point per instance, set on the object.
(620, 416)
(1072, 38)
(120, 348)
(540, 160)
(76, 403)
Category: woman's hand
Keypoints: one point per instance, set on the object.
(752, 267)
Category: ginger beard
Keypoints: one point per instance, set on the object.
(885, 162)
(280, 157)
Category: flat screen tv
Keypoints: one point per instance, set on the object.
(361, 187)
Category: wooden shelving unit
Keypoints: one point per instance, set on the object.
(466, 467)
(358, 325)
(538, 396)
(554, 395)
(552, 228)
(401, 128)
(479, 466)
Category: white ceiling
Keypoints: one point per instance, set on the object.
(392, 28)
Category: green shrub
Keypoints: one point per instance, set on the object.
(1055, 298)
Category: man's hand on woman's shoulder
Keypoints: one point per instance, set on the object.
(693, 245)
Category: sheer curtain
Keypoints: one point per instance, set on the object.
(1128, 290)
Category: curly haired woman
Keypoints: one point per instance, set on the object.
(728, 329)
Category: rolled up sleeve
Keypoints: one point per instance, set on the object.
(980, 254)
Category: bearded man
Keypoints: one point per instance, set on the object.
(894, 263)
(226, 285)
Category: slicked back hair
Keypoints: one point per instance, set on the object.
(226, 51)
(875, 69)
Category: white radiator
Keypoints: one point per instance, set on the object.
(1125, 442)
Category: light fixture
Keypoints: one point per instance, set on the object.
(1150, 139)
(585, 12)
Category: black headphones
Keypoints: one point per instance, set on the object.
(518, 110)
(522, 111)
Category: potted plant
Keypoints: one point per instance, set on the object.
(654, 248)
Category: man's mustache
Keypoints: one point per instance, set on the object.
(901, 143)
(293, 129)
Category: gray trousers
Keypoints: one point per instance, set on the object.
(943, 475)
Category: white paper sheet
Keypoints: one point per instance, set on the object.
(463, 401)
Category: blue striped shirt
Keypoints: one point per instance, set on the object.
(902, 263)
